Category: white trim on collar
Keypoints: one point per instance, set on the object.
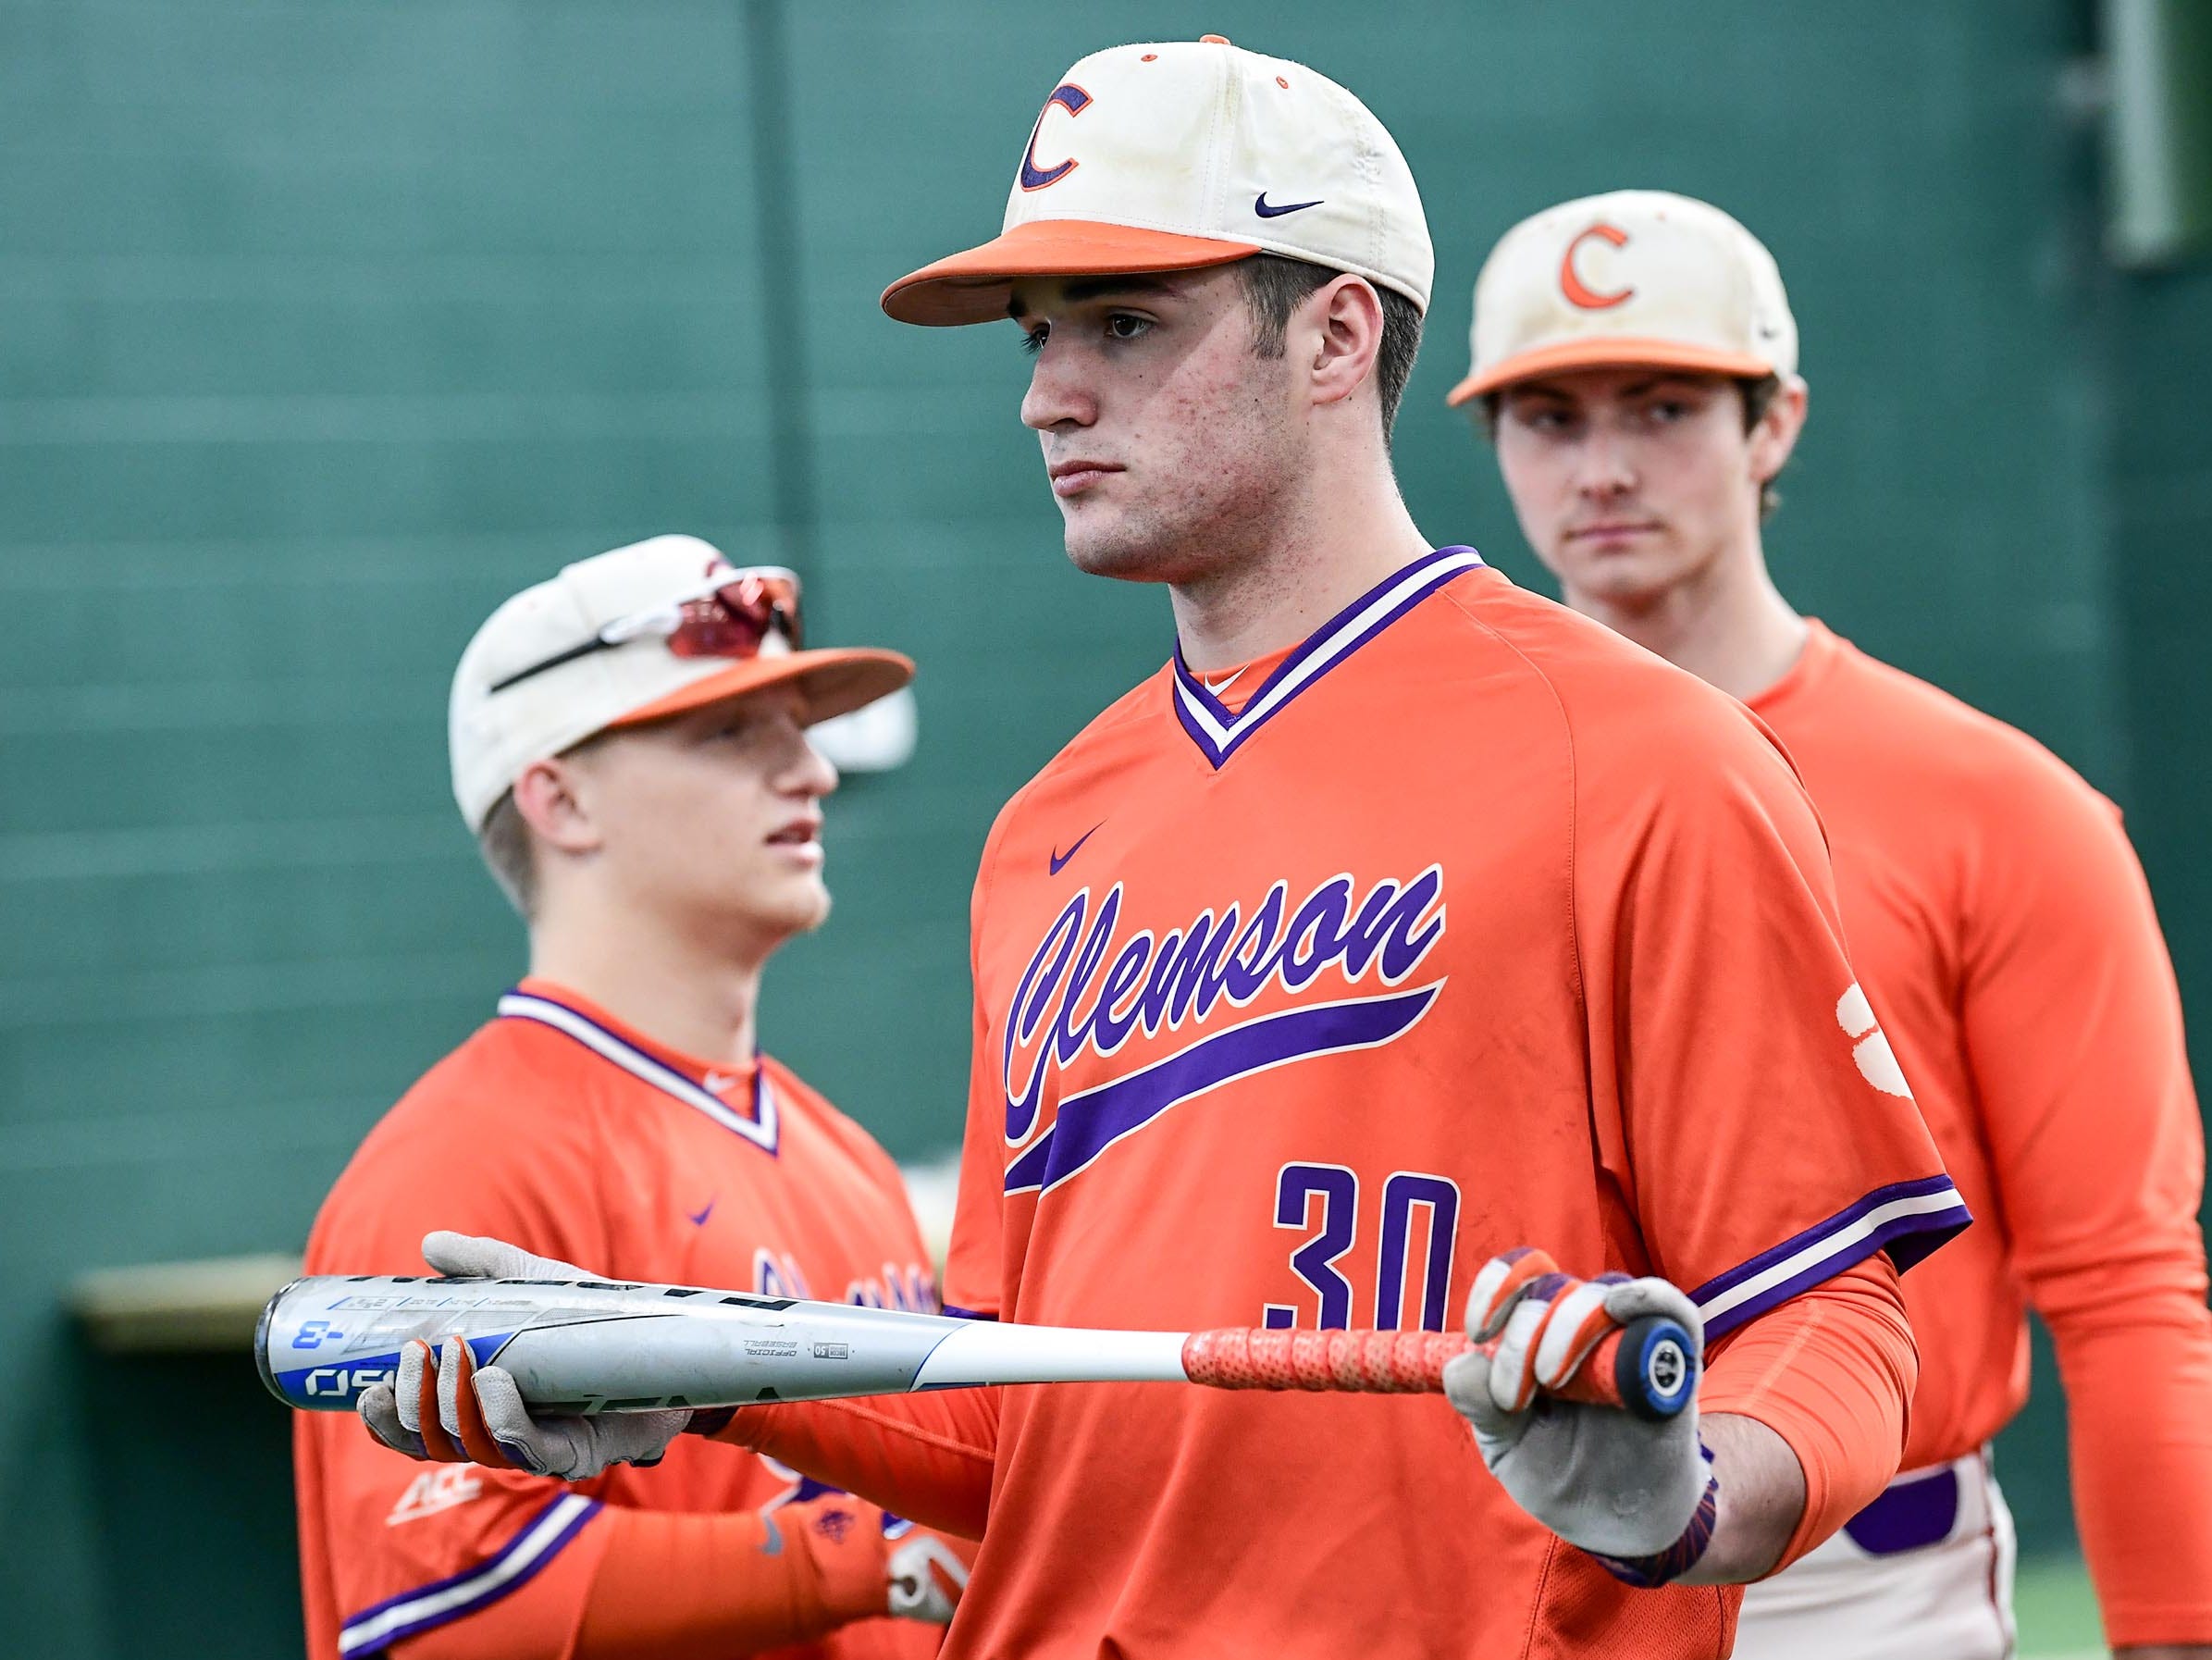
(527, 1006)
(1218, 732)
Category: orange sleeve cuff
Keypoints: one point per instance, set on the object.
(927, 1457)
(1832, 1372)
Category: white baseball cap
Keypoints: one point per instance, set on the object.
(1629, 279)
(591, 650)
(1184, 154)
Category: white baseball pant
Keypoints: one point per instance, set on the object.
(1922, 1573)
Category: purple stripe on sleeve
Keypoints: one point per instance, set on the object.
(1908, 1219)
(377, 1627)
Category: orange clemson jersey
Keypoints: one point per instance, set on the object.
(1470, 926)
(2006, 939)
(558, 1129)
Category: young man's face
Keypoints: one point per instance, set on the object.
(1164, 432)
(713, 819)
(1630, 482)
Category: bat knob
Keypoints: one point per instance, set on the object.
(1655, 1368)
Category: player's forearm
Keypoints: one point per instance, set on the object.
(925, 1456)
(1761, 1499)
(1829, 1376)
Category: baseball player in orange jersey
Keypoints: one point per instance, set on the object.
(627, 743)
(1636, 360)
(1400, 920)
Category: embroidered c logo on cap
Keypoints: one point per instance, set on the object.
(1571, 284)
(1072, 99)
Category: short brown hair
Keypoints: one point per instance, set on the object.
(1274, 287)
(504, 840)
(508, 843)
(1757, 394)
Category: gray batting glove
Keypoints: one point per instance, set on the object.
(485, 1258)
(444, 1408)
(1599, 1478)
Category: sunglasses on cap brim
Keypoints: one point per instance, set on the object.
(731, 620)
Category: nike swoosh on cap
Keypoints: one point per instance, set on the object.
(1262, 207)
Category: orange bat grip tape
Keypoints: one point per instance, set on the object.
(1363, 1362)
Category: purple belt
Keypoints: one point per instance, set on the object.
(1909, 1515)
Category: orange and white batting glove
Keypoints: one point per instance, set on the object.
(1639, 1496)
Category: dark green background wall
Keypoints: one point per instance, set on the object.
(324, 328)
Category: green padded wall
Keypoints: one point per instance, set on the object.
(2160, 512)
(323, 328)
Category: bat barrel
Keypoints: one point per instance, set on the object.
(589, 1346)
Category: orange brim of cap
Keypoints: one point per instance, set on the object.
(1619, 352)
(974, 287)
(833, 682)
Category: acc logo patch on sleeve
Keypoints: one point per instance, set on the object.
(436, 1489)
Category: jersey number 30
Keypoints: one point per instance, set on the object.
(1322, 1201)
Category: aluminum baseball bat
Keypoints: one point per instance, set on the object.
(577, 1347)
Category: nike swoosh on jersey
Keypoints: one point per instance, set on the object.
(699, 1217)
(1059, 860)
(1267, 210)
